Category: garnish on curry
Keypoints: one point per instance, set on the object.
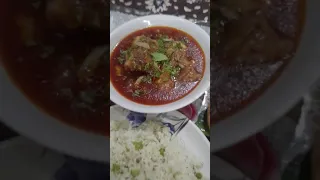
(156, 65)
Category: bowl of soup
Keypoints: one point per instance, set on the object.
(158, 63)
(265, 57)
(53, 74)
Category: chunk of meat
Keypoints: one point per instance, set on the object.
(189, 74)
(180, 58)
(137, 59)
(165, 82)
(172, 46)
(251, 40)
(145, 42)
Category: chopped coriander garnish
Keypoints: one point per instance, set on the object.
(178, 45)
(172, 70)
(161, 48)
(147, 66)
(159, 56)
(147, 79)
(138, 145)
(135, 172)
(122, 57)
(162, 150)
(157, 74)
(137, 93)
(123, 52)
(115, 168)
(198, 175)
(121, 60)
(175, 71)
(160, 43)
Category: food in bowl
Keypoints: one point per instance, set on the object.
(147, 152)
(56, 52)
(156, 65)
(253, 42)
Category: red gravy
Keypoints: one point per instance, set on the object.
(154, 95)
(240, 77)
(43, 52)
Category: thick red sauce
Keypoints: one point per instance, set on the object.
(46, 72)
(235, 87)
(154, 95)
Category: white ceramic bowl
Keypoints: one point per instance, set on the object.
(296, 79)
(170, 21)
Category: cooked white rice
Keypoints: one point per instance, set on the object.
(135, 154)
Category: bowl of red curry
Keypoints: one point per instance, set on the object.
(158, 63)
(265, 57)
(53, 74)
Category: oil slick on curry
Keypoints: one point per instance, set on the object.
(156, 65)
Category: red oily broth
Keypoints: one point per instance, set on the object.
(156, 96)
(246, 83)
(46, 71)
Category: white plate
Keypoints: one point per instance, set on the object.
(191, 136)
(170, 21)
(296, 80)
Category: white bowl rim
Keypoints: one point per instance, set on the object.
(192, 96)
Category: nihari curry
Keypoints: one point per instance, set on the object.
(156, 65)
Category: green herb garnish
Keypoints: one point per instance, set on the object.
(159, 57)
(198, 175)
(115, 168)
(175, 71)
(138, 145)
(135, 172)
(160, 43)
(157, 74)
(162, 150)
(161, 48)
(178, 45)
(172, 70)
(122, 57)
(121, 60)
(147, 79)
(147, 66)
(137, 93)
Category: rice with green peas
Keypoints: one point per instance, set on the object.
(147, 153)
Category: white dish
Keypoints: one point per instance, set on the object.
(296, 79)
(170, 21)
(191, 137)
